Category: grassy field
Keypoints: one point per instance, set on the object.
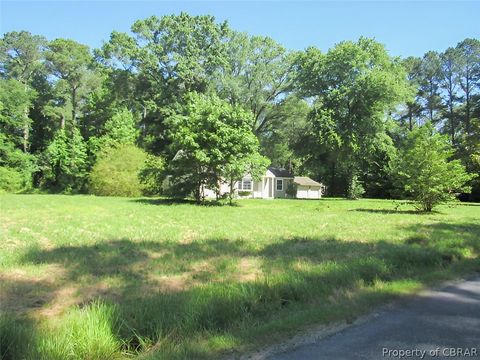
(84, 277)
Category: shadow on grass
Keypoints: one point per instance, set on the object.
(297, 271)
(468, 204)
(392, 211)
(174, 201)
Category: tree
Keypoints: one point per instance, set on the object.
(257, 75)
(64, 162)
(429, 85)
(355, 86)
(71, 63)
(287, 126)
(170, 56)
(413, 107)
(211, 141)
(16, 166)
(469, 75)
(21, 55)
(13, 102)
(119, 130)
(449, 83)
(425, 171)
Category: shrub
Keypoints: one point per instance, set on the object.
(426, 172)
(152, 175)
(116, 171)
(11, 180)
(291, 190)
(355, 190)
(16, 167)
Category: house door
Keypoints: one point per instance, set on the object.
(267, 187)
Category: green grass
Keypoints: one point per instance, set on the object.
(93, 278)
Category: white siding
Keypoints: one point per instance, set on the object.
(309, 192)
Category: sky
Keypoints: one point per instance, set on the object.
(406, 28)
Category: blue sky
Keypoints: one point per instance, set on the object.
(406, 28)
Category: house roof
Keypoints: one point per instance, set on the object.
(280, 172)
(305, 181)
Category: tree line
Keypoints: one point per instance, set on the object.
(191, 99)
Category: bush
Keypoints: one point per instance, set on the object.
(152, 176)
(116, 171)
(355, 190)
(291, 190)
(11, 180)
(244, 193)
(16, 167)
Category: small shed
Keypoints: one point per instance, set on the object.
(308, 188)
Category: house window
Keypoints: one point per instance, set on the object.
(247, 184)
(244, 185)
(279, 184)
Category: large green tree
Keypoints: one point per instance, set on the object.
(21, 55)
(355, 86)
(257, 75)
(469, 76)
(211, 142)
(72, 65)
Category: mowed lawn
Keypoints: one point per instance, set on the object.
(85, 277)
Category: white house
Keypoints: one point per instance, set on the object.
(273, 185)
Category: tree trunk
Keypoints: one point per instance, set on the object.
(452, 121)
(332, 180)
(410, 118)
(26, 127)
(467, 106)
(74, 106)
(26, 135)
(231, 192)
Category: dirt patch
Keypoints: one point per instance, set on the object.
(248, 269)
(47, 294)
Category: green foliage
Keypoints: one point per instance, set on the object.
(64, 162)
(286, 128)
(116, 172)
(291, 190)
(71, 63)
(211, 141)
(11, 180)
(121, 128)
(15, 100)
(152, 175)
(355, 85)
(426, 172)
(16, 167)
(257, 75)
(328, 115)
(21, 54)
(355, 190)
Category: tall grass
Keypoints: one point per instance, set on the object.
(90, 333)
